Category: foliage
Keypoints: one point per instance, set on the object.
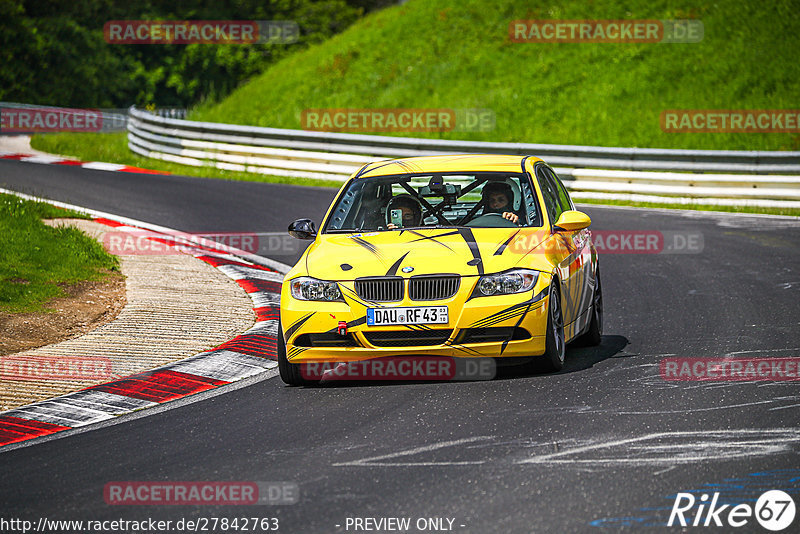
(53, 52)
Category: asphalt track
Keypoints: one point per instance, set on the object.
(605, 443)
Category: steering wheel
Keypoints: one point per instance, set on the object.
(491, 220)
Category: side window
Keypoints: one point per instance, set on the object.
(550, 194)
(563, 196)
(529, 203)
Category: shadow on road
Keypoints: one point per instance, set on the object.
(582, 358)
(577, 358)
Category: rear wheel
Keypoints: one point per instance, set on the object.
(290, 372)
(553, 358)
(594, 334)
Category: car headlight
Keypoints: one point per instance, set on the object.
(507, 283)
(307, 288)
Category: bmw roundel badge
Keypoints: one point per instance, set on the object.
(407, 269)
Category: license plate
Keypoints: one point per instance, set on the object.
(417, 315)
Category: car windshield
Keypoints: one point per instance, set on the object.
(478, 200)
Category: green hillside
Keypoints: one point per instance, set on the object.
(457, 54)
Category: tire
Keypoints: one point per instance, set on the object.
(555, 349)
(594, 334)
(290, 372)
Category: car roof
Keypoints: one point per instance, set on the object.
(449, 163)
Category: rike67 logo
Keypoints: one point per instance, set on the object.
(774, 510)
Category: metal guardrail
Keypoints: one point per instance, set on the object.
(335, 156)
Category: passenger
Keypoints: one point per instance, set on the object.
(411, 208)
(497, 197)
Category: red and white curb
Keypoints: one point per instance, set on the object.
(56, 160)
(244, 356)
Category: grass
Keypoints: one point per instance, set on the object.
(113, 148)
(38, 260)
(457, 54)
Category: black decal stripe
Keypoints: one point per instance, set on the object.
(502, 247)
(469, 238)
(498, 320)
(293, 328)
(509, 312)
(295, 351)
(464, 348)
(433, 238)
(423, 236)
(362, 170)
(519, 321)
(494, 320)
(542, 295)
(367, 245)
(408, 166)
(379, 165)
(501, 314)
(352, 295)
(467, 350)
(396, 265)
(417, 327)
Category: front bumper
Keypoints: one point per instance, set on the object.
(503, 326)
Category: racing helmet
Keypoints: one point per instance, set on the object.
(404, 200)
(507, 187)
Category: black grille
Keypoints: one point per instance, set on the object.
(433, 287)
(492, 334)
(408, 338)
(383, 289)
(325, 340)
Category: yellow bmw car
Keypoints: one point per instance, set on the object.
(467, 256)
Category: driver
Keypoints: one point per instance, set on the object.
(411, 208)
(497, 198)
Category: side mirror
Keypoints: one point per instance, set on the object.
(572, 221)
(303, 229)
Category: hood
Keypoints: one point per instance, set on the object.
(463, 251)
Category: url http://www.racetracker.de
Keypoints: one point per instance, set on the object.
(197, 524)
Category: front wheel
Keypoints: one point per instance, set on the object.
(290, 372)
(553, 358)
